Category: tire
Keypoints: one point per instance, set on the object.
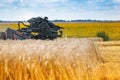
(3, 36)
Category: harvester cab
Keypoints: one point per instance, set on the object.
(38, 28)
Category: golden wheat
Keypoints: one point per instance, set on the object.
(61, 59)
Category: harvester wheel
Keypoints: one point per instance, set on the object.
(3, 35)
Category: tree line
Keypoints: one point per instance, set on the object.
(79, 20)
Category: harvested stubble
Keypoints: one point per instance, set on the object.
(61, 59)
(109, 51)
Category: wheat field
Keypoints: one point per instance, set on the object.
(90, 29)
(80, 29)
(61, 59)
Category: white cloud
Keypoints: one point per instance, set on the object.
(1, 5)
(10, 1)
(29, 3)
(32, 3)
(56, 9)
(42, 1)
(50, 1)
(21, 1)
(117, 1)
(6, 1)
(38, 3)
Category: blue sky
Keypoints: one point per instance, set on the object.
(60, 9)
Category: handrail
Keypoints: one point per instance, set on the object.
(21, 23)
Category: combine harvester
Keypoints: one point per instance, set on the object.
(39, 28)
